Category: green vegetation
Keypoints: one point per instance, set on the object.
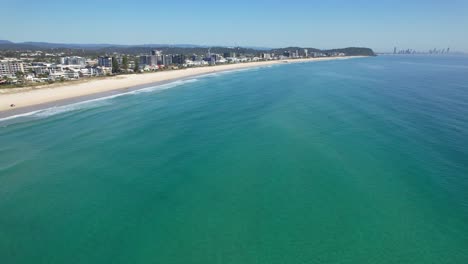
(353, 51)
(43, 75)
(125, 63)
(115, 65)
(136, 68)
(20, 76)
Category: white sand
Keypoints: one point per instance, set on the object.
(26, 97)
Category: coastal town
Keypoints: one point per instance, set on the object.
(84, 72)
(37, 67)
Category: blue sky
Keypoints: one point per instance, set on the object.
(380, 25)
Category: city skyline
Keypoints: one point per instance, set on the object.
(421, 25)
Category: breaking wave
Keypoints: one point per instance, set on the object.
(87, 104)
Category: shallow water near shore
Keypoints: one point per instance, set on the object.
(352, 161)
(50, 108)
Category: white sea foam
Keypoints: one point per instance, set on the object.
(88, 104)
(43, 113)
(215, 74)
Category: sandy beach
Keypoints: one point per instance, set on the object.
(24, 98)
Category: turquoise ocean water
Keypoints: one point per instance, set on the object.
(355, 161)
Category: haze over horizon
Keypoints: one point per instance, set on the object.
(419, 25)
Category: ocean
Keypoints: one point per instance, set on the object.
(347, 161)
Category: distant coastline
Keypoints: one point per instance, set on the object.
(35, 98)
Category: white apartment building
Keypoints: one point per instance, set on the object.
(75, 60)
(10, 67)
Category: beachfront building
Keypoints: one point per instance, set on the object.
(335, 54)
(195, 63)
(295, 54)
(233, 60)
(166, 60)
(10, 67)
(265, 56)
(150, 60)
(75, 60)
(213, 59)
(40, 68)
(103, 70)
(291, 54)
(142, 60)
(105, 61)
(4, 68)
(153, 59)
(91, 62)
(229, 55)
(318, 54)
(156, 58)
(89, 71)
(179, 59)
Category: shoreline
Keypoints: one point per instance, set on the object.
(34, 99)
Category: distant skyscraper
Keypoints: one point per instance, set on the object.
(394, 50)
(448, 50)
